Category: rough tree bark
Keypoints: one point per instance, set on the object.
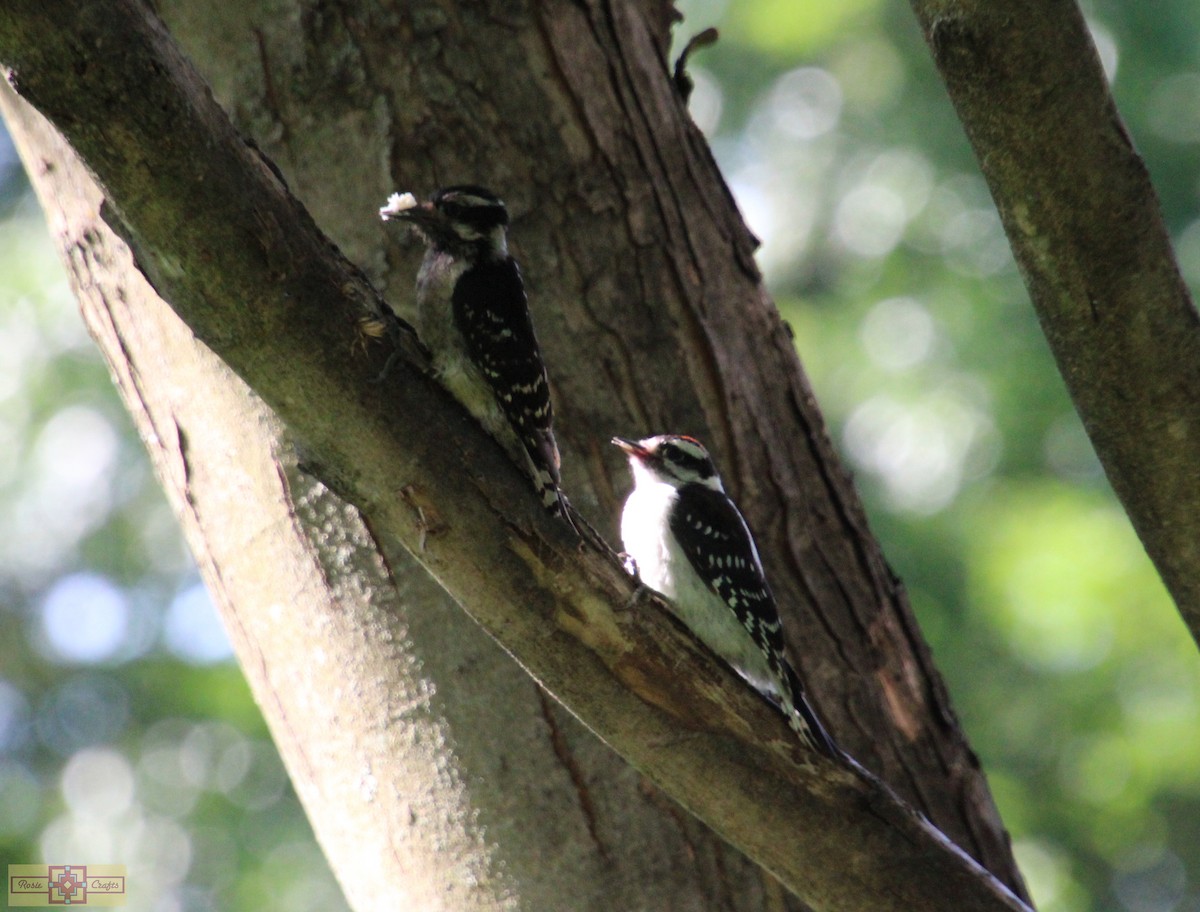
(1085, 225)
(643, 277)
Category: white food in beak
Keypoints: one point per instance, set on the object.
(397, 203)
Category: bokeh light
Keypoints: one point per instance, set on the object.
(84, 618)
(82, 710)
(192, 629)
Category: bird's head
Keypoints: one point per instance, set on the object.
(463, 219)
(670, 459)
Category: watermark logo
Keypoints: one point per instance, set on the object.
(66, 885)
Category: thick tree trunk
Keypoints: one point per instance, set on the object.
(437, 771)
(653, 318)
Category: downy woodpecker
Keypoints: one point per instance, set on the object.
(692, 546)
(473, 315)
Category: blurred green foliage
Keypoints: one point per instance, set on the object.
(126, 732)
(1071, 670)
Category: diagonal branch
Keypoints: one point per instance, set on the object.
(1085, 226)
(222, 240)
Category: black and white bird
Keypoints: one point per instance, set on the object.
(473, 315)
(691, 545)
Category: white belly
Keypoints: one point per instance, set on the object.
(663, 567)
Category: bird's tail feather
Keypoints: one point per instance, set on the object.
(803, 719)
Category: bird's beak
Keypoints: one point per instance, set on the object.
(631, 447)
(423, 218)
(403, 207)
(420, 214)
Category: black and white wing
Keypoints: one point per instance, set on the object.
(491, 312)
(717, 543)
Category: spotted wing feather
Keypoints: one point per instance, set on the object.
(499, 338)
(717, 543)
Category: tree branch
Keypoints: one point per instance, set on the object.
(222, 240)
(1085, 226)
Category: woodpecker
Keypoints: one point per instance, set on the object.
(473, 314)
(691, 545)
